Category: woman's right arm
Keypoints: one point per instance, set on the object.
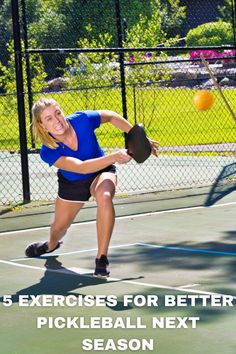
(88, 166)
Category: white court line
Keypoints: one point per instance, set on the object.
(122, 217)
(63, 270)
(72, 252)
(188, 286)
(145, 244)
(83, 272)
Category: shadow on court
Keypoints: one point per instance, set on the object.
(212, 262)
(59, 280)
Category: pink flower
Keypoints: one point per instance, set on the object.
(207, 53)
(131, 58)
(229, 53)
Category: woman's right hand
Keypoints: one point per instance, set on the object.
(121, 156)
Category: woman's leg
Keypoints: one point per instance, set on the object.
(103, 190)
(65, 212)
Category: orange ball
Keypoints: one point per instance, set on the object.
(203, 100)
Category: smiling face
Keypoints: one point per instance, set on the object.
(53, 120)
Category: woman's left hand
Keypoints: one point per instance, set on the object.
(154, 146)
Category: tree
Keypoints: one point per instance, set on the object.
(48, 30)
(226, 11)
(172, 17)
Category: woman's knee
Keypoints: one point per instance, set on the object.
(104, 197)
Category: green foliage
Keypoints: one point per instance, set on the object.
(5, 29)
(226, 11)
(160, 25)
(210, 34)
(7, 72)
(163, 16)
(8, 75)
(48, 30)
(172, 17)
(64, 23)
(57, 23)
(90, 69)
(99, 69)
(147, 31)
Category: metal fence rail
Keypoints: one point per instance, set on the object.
(106, 68)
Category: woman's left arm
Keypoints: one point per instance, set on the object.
(121, 123)
(115, 119)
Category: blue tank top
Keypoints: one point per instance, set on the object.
(84, 124)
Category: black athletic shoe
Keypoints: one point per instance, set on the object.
(101, 268)
(38, 248)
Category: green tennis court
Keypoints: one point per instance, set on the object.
(172, 286)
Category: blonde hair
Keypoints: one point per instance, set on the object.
(37, 128)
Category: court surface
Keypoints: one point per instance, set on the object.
(189, 253)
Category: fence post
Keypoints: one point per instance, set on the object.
(121, 58)
(27, 61)
(20, 100)
(234, 19)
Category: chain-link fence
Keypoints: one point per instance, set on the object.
(140, 59)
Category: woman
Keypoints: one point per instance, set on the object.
(70, 144)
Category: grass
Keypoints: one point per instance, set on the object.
(167, 114)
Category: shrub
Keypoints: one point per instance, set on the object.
(211, 34)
